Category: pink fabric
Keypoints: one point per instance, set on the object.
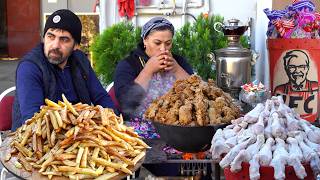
(6, 113)
(145, 2)
(113, 97)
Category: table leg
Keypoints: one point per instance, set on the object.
(216, 171)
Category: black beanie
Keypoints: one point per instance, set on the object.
(66, 20)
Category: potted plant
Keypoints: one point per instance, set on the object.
(112, 45)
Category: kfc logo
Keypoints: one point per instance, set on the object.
(300, 90)
(297, 65)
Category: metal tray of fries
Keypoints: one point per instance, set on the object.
(65, 141)
(21, 173)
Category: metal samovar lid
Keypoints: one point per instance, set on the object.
(232, 30)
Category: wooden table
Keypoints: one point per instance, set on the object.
(23, 174)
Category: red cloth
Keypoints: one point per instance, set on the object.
(126, 8)
(114, 99)
(5, 112)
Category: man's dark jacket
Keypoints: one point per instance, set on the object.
(79, 67)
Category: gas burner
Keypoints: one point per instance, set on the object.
(200, 156)
(191, 164)
(195, 165)
(194, 169)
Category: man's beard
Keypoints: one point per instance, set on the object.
(298, 79)
(57, 58)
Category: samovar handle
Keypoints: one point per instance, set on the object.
(212, 57)
(255, 56)
(217, 24)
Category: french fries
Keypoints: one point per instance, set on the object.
(107, 176)
(51, 103)
(77, 141)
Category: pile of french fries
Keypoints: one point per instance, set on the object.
(77, 141)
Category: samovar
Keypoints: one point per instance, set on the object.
(233, 63)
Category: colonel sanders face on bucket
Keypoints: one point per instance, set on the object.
(297, 67)
(296, 64)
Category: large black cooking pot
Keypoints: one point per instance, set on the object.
(186, 138)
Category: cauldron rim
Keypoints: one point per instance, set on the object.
(187, 138)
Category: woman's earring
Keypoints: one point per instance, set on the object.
(144, 46)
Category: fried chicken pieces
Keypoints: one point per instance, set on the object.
(193, 102)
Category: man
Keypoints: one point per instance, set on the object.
(56, 67)
(297, 65)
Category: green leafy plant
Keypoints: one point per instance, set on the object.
(112, 45)
(195, 41)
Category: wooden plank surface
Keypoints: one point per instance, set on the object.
(21, 173)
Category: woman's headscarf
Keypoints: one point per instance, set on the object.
(154, 23)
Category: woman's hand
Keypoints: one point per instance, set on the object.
(156, 63)
(174, 67)
(170, 62)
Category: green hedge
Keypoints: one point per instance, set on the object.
(112, 45)
(195, 41)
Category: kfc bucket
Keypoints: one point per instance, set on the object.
(294, 74)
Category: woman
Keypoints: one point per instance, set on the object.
(148, 72)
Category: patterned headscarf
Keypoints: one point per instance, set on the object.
(154, 23)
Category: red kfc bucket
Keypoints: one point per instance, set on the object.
(294, 74)
(266, 173)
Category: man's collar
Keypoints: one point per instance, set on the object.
(299, 87)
